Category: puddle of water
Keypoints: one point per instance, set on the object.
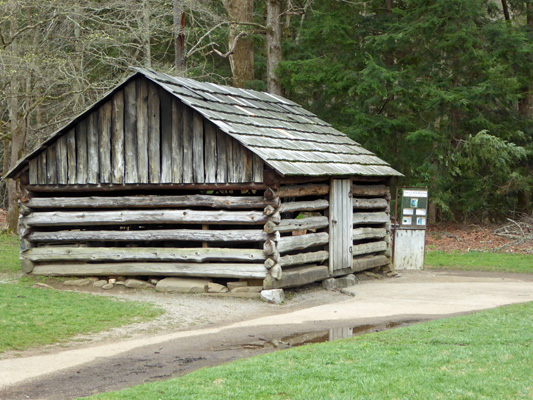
(329, 335)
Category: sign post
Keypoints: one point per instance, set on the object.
(410, 233)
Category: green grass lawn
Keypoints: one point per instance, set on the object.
(31, 317)
(488, 355)
(478, 261)
(9, 253)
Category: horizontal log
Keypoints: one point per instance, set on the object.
(289, 225)
(241, 235)
(364, 263)
(218, 270)
(226, 202)
(369, 233)
(371, 218)
(370, 190)
(362, 203)
(367, 248)
(298, 277)
(304, 258)
(145, 187)
(83, 218)
(303, 190)
(292, 243)
(99, 254)
(314, 205)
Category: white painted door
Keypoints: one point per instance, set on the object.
(340, 225)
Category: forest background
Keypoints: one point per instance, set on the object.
(441, 89)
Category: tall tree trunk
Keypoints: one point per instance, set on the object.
(15, 134)
(179, 36)
(242, 58)
(273, 40)
(145, 34)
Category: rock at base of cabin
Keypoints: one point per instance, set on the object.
(182, 285)
(100, 283)
(216, 288)
(329, 284)
(77, 282)
(274, 296)
(138, 284)
(93, 278)
(247, 289)
(154, 281)
(108, 286)
(112, 280)
(233, 285)
(346, 281)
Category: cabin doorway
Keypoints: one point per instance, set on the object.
(340, 225)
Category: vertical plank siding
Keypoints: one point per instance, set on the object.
(144, 135)
(117, 138)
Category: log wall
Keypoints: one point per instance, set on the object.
(299, 254)
(205, 234)
(143, 135)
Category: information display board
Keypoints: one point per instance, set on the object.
(413, 208)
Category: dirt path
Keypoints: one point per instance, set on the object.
(372, 305)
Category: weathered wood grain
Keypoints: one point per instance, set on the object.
(298, 277)
(166, 136)
(222, 160)
(142, 131)
(130, 133)
(93, 165)
(117, 138)
(177, 141)
(193, 200)
(370, 190)
(303, 190)
(62, 160)
(370, 218)
(214, 270)
(104, 128)
(82, 218)
(187, 145)
(292, 243)
(34, 171)
(237, 235)
(367, 248)
(313, 205)
(154, 134)
(304, 258)
(364, 263)
(289, 225)
(198, 148)
(210, 152)
(369, 203)
(257, 169)
(51, 164)
(81, 152)
(340, 224)
(71, 157)
(139, 254)
(369, 233)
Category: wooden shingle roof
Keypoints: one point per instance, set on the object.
(288, 138)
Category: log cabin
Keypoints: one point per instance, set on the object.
(171, 177)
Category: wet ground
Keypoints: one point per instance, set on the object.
(175, 358)
(373, 306)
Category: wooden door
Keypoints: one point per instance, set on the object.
(340, 225)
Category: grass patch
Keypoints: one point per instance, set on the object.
(9, 253)
(32, 317)
(478, 261)
(488, 355)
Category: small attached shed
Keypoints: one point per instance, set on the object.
(168, 176)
